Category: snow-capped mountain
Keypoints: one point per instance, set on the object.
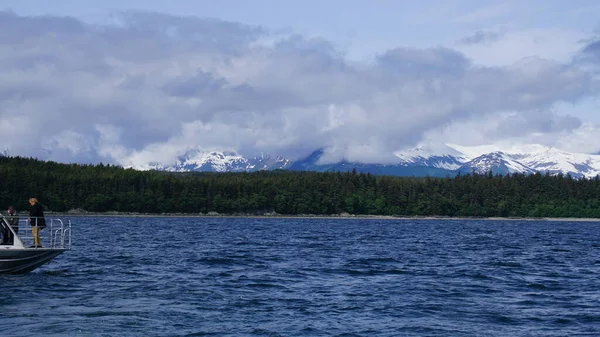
(441, 156)
(497, 162)
(222, 162)
(429, 160)
(508, 159)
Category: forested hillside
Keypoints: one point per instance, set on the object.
(102, 188)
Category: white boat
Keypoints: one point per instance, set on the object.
(21, 257)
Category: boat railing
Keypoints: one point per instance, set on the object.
(56, 234)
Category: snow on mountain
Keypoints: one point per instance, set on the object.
(555, 161)
(429, 159)
(497, 162)
(223, 162)
(540, 158)
(439, 156)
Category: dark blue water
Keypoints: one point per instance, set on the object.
(312, 277)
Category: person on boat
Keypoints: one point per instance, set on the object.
(5, 231)
(36, 220)
(13, 221)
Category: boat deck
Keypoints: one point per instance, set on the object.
(21, 256)
(56, 235)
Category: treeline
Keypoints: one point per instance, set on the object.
(103, 188)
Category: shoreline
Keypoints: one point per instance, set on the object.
(310, 216)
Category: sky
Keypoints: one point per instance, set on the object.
(135, 83)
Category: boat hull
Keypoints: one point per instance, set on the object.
(21, 261)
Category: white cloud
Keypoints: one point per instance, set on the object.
(504, 47)
(155, 86)
(560, 131)
(581, 140)
(486, 13)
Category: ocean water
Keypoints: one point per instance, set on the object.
(312, 277)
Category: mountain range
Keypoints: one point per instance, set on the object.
(428, 160)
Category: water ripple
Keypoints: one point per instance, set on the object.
(312, 277)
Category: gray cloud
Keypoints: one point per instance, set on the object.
(480, 37)
(590, 53)
(154, 85)
(423, 63)
(205, 33)
(536, 122)
(199, 84)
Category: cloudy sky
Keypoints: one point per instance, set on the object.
(134, 82)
